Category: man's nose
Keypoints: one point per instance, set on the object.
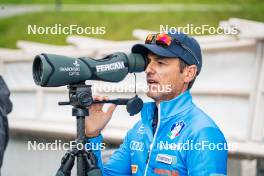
(150, 68)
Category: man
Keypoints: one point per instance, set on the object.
(173, 137)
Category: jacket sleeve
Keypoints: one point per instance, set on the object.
(119, 162)
(209, 154)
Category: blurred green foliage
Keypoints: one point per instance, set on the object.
(119, 25)
(127, 1)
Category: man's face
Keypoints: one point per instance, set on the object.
(164, 79)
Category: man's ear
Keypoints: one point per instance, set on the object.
(190, 73)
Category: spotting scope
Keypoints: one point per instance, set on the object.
(50, 70)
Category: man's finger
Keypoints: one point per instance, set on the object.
(98, 106)
(111, 109)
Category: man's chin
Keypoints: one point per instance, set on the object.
(153, 95)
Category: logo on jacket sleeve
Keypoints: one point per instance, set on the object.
(141, 130)
(136, 146)
(176, 129)
(134, 168)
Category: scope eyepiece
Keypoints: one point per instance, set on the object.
(37, 70)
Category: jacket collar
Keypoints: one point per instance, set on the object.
(176, 106)
(168, 108)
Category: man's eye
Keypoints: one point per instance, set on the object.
(160, 63)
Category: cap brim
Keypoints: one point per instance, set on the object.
(158, 50)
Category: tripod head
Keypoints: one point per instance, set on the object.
(80, 95)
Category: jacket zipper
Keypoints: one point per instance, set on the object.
(153, 142)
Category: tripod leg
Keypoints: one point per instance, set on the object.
(81, 113)
(67, 163)
(91, 164)
(80, 166)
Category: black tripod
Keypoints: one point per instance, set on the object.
(80, 96)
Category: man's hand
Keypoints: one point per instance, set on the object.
(97, 119)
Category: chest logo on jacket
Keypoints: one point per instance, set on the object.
(176, 128)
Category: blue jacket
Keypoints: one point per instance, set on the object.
(186, 142)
